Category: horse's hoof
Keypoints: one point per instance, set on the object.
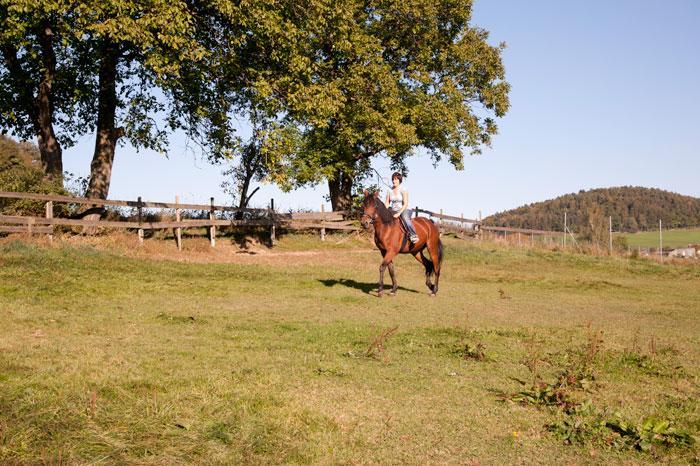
(432, 295)
(393, 293)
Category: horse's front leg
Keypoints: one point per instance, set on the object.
(380, 290)
(394, 284)
(388, 257)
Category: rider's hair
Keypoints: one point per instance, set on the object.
(397, 175)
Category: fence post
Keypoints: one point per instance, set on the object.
(610, 233)
(415, 212)
(323, 219)
(272, 221)
(178, 230)
(140, 220)
(49, 214)
(212, 228)
(661, 243)
(519, 239)
(566, 228)
(30, 226)
(461, 223)
(481, 228)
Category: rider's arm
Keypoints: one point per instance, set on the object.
(387, 203)
(405, 201)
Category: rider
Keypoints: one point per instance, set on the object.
(397, 201)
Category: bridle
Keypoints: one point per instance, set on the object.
(369, 219)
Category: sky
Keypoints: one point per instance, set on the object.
(604, 93)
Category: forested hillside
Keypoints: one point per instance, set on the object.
(632, 209)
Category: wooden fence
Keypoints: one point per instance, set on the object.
(472, 227)
(259, 217)
(322, 221)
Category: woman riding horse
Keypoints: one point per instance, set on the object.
(397, 201)
(391, 240)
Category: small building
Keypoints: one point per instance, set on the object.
(683, 252)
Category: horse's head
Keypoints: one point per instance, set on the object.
(369, 209)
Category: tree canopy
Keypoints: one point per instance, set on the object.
(336, 83)
(73, 67)
(386, 77)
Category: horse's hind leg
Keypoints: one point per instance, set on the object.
(428, 264)
(394, 285)
(435, 249)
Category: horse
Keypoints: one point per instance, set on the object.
(391, 240)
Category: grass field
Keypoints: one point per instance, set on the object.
(524, 357)
(671, 238)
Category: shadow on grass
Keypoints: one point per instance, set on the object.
(365, 287)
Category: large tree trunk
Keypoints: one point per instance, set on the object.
(107, 134)
(49, 147)
(340, 188)
(38, 108)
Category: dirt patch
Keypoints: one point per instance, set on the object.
(198, 250)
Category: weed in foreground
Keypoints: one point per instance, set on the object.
(580, 422)
(376, 348)
(578, 374)
(474, 353)
(585, 425)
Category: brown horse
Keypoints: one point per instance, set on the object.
(391, 240)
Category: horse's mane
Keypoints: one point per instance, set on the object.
(385, 214)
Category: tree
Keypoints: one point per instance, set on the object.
(59, 55)
(138, 47)
(384, 78)
(42, 82)
(250, 163)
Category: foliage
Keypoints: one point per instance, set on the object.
(584, 425)
(91, 65)
(20, 171)
(631, 208)
(475, 352)
(358, 80)
(649, 433)
(578, 426)
(577, 374)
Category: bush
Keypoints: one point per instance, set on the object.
(20, 171)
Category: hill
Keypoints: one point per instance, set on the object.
(632, 209)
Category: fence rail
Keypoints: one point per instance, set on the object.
(115, 202)
(266, 217)
(477, 225)
(335, 220)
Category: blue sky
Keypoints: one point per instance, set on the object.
(604, 93)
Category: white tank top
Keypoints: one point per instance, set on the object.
(396, 200)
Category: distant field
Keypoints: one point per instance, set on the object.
(526, 356)
(671, 238)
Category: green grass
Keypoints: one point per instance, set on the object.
(109, 359)
(671, 238)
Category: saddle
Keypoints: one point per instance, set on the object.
(406, 236)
